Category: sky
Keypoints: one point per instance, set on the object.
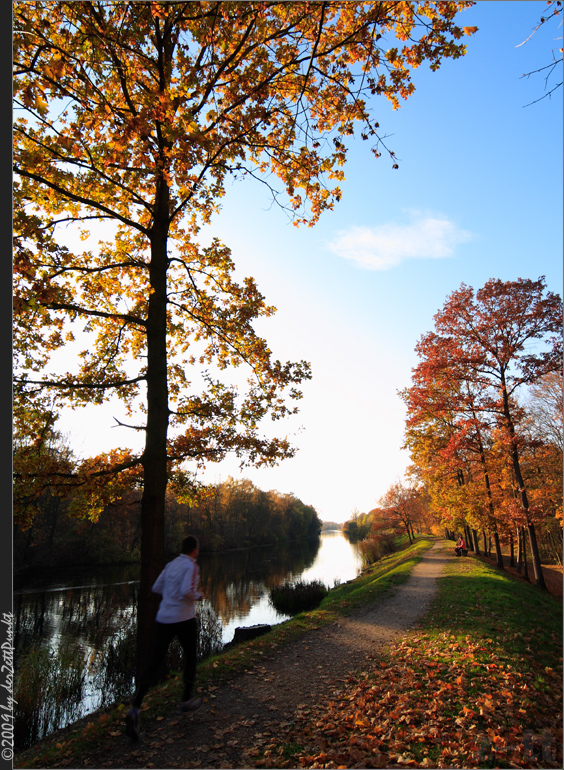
(478, 195)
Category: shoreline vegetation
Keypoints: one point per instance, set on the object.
(226, 516)
(487, 638)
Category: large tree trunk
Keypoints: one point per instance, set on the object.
(524, 543)
(519, 566)
(468, 537)
(522, 567)
(514, 452)
(155, 454)
(499, 558)
(498, 554)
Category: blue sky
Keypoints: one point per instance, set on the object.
(478, 195)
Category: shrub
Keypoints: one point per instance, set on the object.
(298, 597)
(210, 632)
(48, 690)
(377, 546)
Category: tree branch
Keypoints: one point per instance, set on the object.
(97, 313)
(80, 199)
(80, 385)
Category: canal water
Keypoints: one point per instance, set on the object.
(78, 627)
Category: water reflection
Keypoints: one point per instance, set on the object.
(97, 610)
(237, 582)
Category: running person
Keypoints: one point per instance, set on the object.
(178, 585)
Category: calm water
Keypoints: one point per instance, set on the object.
(95, 612)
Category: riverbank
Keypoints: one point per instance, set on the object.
(323, 690)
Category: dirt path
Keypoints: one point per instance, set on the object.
(249, 711)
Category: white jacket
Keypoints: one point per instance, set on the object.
(178, 585)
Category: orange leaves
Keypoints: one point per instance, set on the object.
(410, 711)
(208, 100)
(31, 97)
(56, 67)
(359, 721)
(246, 67)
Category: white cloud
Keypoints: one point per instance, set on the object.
(385, 246)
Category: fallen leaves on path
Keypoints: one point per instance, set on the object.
(415, 710)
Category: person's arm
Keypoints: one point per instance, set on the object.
(190, 583)
(158, 585)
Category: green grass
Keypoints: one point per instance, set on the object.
(518, 621)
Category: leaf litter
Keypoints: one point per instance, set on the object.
(415, 710)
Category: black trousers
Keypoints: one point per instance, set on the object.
(164, 633)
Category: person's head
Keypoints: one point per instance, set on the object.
(190, 546)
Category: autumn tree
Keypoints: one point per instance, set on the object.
(402, 506)
(543, 439)
(495, 341)
(37, 443)
(434, 438)
(447, 423)
(135, 115)
(357, 527)
(380, 540)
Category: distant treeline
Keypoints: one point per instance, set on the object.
(233, 514)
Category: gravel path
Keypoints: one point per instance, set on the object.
(252, 709)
